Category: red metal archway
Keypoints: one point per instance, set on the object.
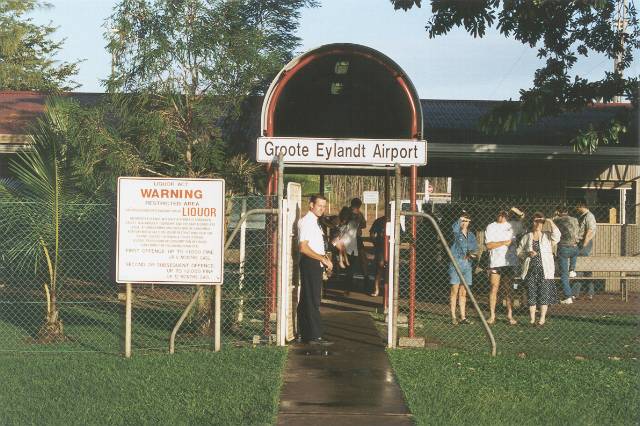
(378, 73)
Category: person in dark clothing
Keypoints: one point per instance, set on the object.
(312, 261)
(377, 231)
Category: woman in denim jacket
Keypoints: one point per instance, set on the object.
(464, 251)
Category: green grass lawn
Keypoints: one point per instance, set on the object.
(445, 387)
(235, 386)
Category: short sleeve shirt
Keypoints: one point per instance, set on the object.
(587, 223)
(309, 230)
(503, 255)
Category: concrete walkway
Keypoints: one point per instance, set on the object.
(353, 385)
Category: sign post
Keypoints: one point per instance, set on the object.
(170, 231)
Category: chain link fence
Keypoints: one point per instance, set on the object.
(602, 324)
(91, 304)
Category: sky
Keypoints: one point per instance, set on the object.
(455, 66)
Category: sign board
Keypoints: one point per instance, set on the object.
(326, 151)
(170, 231)
(370, 197)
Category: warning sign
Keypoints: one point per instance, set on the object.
(170, 231)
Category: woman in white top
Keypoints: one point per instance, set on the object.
(538, 268)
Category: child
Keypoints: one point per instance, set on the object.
(341, 238)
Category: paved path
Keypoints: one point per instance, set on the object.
(353, 385)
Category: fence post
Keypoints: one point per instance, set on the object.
(390, 238)
(412, 254)
(393, 308)
(127, 321)
(217, 316)
(243, 245)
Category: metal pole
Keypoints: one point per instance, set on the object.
(412, 255)
(174, 332)
(217, 315)
(243, 254)
(396, 257)
(443, 241)
(127, 321)
(387, 198)
(389, 285)
(279, 253)
(274, 253)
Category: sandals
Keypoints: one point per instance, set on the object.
(374, 294)
(512, 321)
(465, 321)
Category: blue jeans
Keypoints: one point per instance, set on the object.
(567, 261)
(577, 285)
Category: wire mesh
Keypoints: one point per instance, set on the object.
(599, 323)
(91, 304)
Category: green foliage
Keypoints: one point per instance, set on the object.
(196, 62)
(562, 31)
(43, 175)
(27, 52)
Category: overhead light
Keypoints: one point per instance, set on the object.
(336, 88)
(341, 67)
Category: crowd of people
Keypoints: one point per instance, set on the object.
(525, 251)
(517, 250)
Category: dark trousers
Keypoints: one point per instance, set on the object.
(309, 323)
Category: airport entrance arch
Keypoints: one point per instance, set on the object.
(337, 109)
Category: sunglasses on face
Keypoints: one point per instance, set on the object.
(465, 221)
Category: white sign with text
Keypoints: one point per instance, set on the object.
(320, 151)
(370, 197)
(170, 231)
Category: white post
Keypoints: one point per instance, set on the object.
(282, 292)
(243, 245)
(390, 230)
(623, 204)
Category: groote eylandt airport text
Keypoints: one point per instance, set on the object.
(342, 151)
(334, 150)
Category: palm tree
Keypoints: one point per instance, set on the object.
(41, 175)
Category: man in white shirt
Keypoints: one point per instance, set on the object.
(312, 261)
(499, 239)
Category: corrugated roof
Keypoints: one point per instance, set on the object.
(445, 120)
(456, 121)
(19, 109)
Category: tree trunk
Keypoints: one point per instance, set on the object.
(52, 330)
